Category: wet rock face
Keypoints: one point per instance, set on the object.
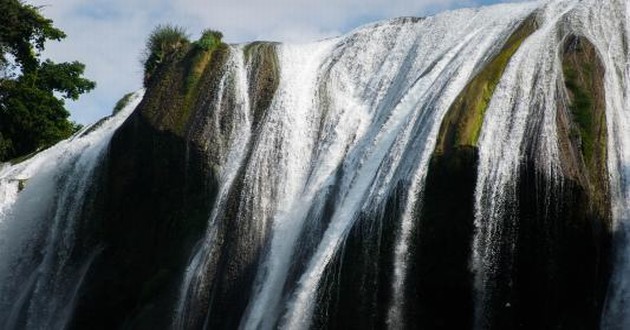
(558, 274)
(157, 201)
(161, 182)
(561, 265)
(563, 258)
(442, 289)
(160, 185)
(442, 293)
(157, 198)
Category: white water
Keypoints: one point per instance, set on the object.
(607, 25)
(525, 97)
(368, 107)
(294, 117)
(527, 93)
(40, 228)
(440, 56)
(360, 114)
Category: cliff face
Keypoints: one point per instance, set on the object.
(444, 282)
(561, 255)
(162, 180)
(160, 184)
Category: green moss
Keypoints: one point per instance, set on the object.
(584, 80)
(462, 124)
(210, 39)
(177, 87)
(122, 103)
(582, 104)
(199, 64)
(200, 56)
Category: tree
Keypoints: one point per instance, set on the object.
(32, 91)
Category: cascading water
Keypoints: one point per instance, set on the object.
(527, 89)
(368, 107)
(401, 134)
(42, 227)
(526, 97)
(351, 125)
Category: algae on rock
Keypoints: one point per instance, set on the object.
(462, 124)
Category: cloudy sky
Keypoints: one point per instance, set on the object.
(108, 35)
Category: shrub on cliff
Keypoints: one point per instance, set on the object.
(164, 42)
(210, 39)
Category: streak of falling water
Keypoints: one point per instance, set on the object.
(40, 228)
(194, 283)
(299, 73)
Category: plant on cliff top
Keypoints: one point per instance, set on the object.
(210, 39)
(164, 42)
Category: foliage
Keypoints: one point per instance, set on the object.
(170, 59)
(164, 42)
(32, 92)
(23, 31)
(210, 39)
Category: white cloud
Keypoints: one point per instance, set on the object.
(108, 36)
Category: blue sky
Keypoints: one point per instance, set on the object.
(108, 35)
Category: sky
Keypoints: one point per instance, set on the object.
(108, 36)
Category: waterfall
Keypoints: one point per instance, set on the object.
(528, 92)
(360, 113)
(401, 137)
(343, 144)
(43, 253)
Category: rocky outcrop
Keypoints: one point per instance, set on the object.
(561, 263)
(563, 255)
(442, 288)
(161, 180)
(557, 276)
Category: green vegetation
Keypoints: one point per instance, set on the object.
(170, 45)
(462, 124)
(586, 132)
(32, 91)
(122, 103)
(582, 104)
(165, 42)
(175, 69)
(210, 39)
